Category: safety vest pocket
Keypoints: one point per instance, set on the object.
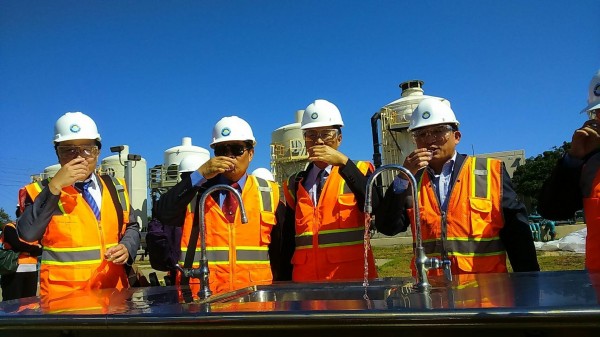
(69, 273)
(349, 214)
(345, 254)
(68, 226)
(481, 215)
(482, 264)
(266, 226)
(300, 257)
(260, 274)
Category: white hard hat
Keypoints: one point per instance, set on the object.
(262, 172)
(321, 113)
(232, 128)
(191, 163)
(432, 111)
(593, 94)
(75, 125)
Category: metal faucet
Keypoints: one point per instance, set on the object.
(203, 272)
(422, 262)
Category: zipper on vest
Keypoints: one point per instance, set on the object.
(232, 255)
(444, 234)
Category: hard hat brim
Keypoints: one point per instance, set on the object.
(319, 125)
(591, 106)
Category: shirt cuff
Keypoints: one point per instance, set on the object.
(197, 179)
(571, 162)
(399, 185)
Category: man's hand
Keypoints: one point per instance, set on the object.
(326, 154)
(71, 172)
(216, 165)
(417, 160)
(117, 254)
(585, 139)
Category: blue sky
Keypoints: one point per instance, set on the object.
(152, 72)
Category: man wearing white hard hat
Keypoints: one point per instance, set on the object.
(82, 219)
(470, 214)
(325, 228)
(239, 254)
(575, 180)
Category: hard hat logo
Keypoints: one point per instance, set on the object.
(426, 115)
(75, 128)
(593, 95)
(225, 132)
(314, 115)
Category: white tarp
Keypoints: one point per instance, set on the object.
(572, 242)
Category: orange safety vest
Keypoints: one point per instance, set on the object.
(24, 257)
(590, 179)
(468, 233)
(238, 254)
(329, 237)
(75, 242)
(481, 291)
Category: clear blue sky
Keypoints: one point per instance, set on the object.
(152, 72)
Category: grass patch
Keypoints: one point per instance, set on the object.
(400, 256)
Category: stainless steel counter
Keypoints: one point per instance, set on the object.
(525, 304)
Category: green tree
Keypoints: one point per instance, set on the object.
(4, 217)
(529, 178)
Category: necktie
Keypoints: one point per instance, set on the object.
(230, 204)
(83, 187)
(321, 178)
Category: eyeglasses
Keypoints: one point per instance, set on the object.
(325, 135)
(436, 134)
(230, 149)
(72, 151)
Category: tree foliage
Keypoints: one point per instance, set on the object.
(529, 178)
(4, 217)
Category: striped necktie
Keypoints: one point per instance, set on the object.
(83, 187)
(321, 179)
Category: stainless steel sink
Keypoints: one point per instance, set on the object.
(281, 292)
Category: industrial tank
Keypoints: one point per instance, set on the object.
(137, 184)
(288, 152)
(50, 171)
(396, 142)
(168, 175)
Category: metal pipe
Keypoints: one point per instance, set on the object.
(375, 135)
(204, 272)
(422, 262)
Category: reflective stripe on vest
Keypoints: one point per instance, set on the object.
(332, 238)
(72, 256)
(220, 255)
(120, 193)
(266, 195)
(481, 187)
(465, 247)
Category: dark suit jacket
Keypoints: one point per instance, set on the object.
(561, 193)
(392, 218)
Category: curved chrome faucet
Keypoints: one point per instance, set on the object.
(422, 262)
(203, 272)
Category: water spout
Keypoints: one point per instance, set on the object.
(422, 262)
(203, 272)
